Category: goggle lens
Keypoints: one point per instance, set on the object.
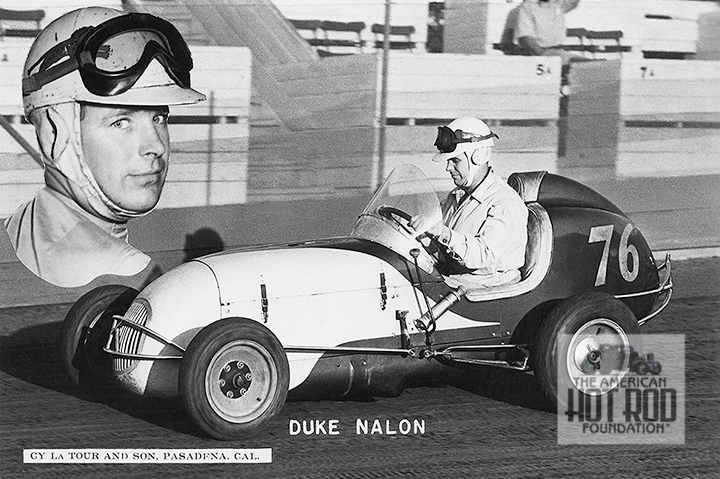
(124, 51)
(447, 139)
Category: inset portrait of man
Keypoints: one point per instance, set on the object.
(97, 86)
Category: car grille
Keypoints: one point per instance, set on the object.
(128, 339)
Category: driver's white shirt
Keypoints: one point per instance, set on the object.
(67, 246)
(488, 233)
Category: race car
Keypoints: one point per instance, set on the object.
(237, 333)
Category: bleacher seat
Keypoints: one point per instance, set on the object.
(591, 44)
(20, 23)
(321, 33)
(607, 41)
(396, 31)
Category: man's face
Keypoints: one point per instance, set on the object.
(127, 150)
(459, 169)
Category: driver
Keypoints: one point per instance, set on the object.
(481, 239)
(97, 84)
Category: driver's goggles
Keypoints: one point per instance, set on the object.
(448, 139)
(112, 56)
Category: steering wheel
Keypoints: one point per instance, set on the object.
(395, 215)
(392, 213)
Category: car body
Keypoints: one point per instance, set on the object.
(370, 314)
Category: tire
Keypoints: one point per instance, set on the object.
(85, 332)
(234, 378)
(591, 332)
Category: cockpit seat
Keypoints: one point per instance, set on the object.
(538, 251)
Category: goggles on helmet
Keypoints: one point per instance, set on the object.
(112, 56)
(448, 139)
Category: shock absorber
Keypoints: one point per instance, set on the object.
(426, 322)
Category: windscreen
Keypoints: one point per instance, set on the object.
(405, 194)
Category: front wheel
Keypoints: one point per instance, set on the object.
(85, 332)
(234, 378)
(585, 335)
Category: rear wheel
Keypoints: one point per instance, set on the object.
(588, 334)
(234, 378)
(85, 332)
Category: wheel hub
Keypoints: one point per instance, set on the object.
(598, 348)
(588, 355)
(594, 357)
(235, 379)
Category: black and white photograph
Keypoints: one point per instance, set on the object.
(359, 238)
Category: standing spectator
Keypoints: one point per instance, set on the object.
(539, 28)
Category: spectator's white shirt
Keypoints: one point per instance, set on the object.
(544, 21)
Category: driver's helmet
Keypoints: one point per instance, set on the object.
(107, 56)
(462, 135)
(102, 55)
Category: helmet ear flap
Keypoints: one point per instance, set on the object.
(53, 134)
(479, 156)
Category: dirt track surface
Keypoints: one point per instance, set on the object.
(492, 426)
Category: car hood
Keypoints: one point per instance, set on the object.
(296, 269)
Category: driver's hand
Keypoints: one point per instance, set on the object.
(439, 232)
(416, 222)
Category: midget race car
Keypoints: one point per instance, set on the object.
(235, 334)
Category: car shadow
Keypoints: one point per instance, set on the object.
(32, 355)
(510, 386)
